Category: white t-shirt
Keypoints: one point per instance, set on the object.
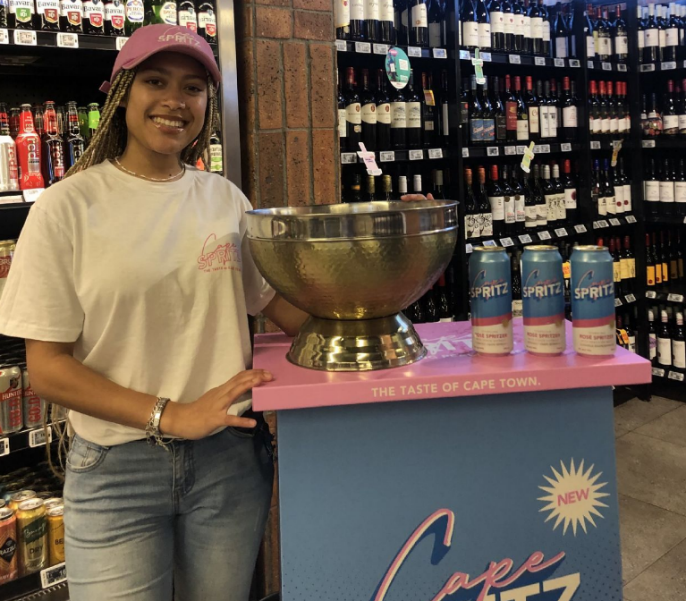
(154, 282)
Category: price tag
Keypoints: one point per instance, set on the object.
(559, 62)
(416, 155)
(521, 149)
(37, 437)
(651, 294)
(561, 232)
(580, 228)
(387, 156)
(53, 575)
(647, 68)
(603, 223)
(67, 40)
(469, 248)
(486, 56)
(506, 242)
(539, 61)
(4, 36)
(414, 51)
(464, 55)
(660, 373)
(675, 298)
(544, 235)
(647, 143)
(122, 40)
(630, 298)
(574, 62)
(341, 46)
(673, 375)
(478, 64)
(381, 49)
(365, 48)
(510, 151)
(465, 153)
(490, 243)
(515, 59)
(369, 159)
(542, 149)
(614, 222)
(595, 145)
(4, 446)
(348, 158)
(493, 151)
(606, 66)
(440, 53)
(22, 37)
(596, 225)
(528, 157)
(630, 219)
(435, 153)
(566, 147)
(32, 195)
(616, 147)
(590, 64)
(668, 66)
(618, 302)
(525, 239)
(621, 67)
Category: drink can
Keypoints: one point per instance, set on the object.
(56, 534)
(33, 405)
(593, 301)
(11, 419)
(9, 569)
(51, 502)
(543, 300)
(9, 175)
(490, 294)
(32, 532)
(19, 497)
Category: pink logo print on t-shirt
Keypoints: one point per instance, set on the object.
(219, 257)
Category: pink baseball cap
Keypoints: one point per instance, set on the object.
(151, 39)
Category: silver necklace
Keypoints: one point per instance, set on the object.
(152, 179)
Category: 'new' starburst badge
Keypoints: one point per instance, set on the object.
(573, 496)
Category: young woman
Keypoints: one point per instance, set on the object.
(132, 282)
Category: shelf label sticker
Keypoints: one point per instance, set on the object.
(544, 235)
(566, 147)
(478, 64)
(561, 232)
(615, 222)
(630, 219)
(363, 47)
(580, 228)
(486, 56)
(414, 51)
(595, 145)
(469, 248)
(647, 143)
(122, 40)
(574, 62)
(464, 55)
(590, 64)
(525, 239)
(490, 243)
(647, 68)
(510, 151)
(493, 151)
(621, 67)
(542, 149)
(387, 156)
(559, 62)
(23, 37)
(505, 242)
(381, 49)
(673, 375)
(618, 302)
(341, 46)
(668, 65)
(440, 53)
(659, 372)
(53, 575)
(369, 159)
(515, 59)
(348, 158)
(602, 223)
(675, 298)
(528, 157)
(606, 66)
(4, 446)
(4, 36)
(465, 153)
(630, 298)
(616, 147)
(33, 194)
(37, 437)
(651, 294)
(539, 61)
(435, 153)
(67, 40)
(521, 149)
(596, 225)
(416, 155)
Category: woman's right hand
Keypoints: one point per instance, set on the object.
(209, 413)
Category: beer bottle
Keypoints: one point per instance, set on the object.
(83, 123)
(71, 16)
(9, 176)
(47, 17)
(28, 152)
(115, 18)
(52, 149)
(38, 119)
(4, 13)
(207, 21)
(161, 11)
(94, 17)
(93, 118)
(14, 121)
(216, 153)
(75, 144)
(135, 12)
(187, 15)
(20, 14)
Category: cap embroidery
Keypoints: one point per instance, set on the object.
(181, 38)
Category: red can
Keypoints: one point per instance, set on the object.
(8, 545)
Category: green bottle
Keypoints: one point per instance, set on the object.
(135, 13)
(83, 123)
(160, 11)
(93, 118)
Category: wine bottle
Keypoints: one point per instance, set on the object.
(437, 190)
(667, 188)
(518, 17)
(476, 117)
(561, 35)
(680, 190)
(488, 115)
(372, 14)
(607, 190)
(679, 344)
(342, 19)
(664, 342)
(517, 307)
(544, 109)
(413, 107)
(398, 120)
(369, 114)
(465, 107)
(651, 189)
(651, 36)
(594, 119)
(530, 205)
(604, 106)
(589, 32)
(508, 202)
(536, 28)
(569, 187)
(497, 202)
(650, 266)
(626, 188)
(532, 106)
(509, 26)
(444, 113)
(569, 112)
(550, 195)
(484, 25)
(640, 32)
(499, 112)
(497, 18)
(519, 196)
(386, 28)
(383, 112)
(357, 24)
(470, 25)
(429, 118)
(400, 22)
(545, 26)
(353, 112)
(597, 198)
(664, 257)
(342, 115)
(682, 109)
(528, 34)
(419, 23)
(484, 206)
(616, 269)
(621, 37)
(604, 48)
(539, 198)
(438, 33)
(612, 109)
(618, 185)
(472, 225)
(670, 116)
(522, 113)
(561, 213)
(510, 101)
(662, 24)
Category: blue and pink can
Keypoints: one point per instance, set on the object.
(593, 301)
(543, 300)
(490, 294)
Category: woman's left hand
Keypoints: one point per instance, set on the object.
(416, 197)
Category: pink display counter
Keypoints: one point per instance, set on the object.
(459, 477)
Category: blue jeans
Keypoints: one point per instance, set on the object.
(140, 521)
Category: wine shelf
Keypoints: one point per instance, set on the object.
(607, 67)
(506, 150)
(382, 49)
(662, 66)
(668, 142)
(666, 219)
(524, 60)
(398, 156)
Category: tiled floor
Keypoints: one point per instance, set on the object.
(651, 473)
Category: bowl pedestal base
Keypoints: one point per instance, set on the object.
(356, 345)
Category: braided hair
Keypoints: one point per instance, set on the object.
(109, 140)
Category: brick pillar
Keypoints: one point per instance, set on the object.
(287, 90)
